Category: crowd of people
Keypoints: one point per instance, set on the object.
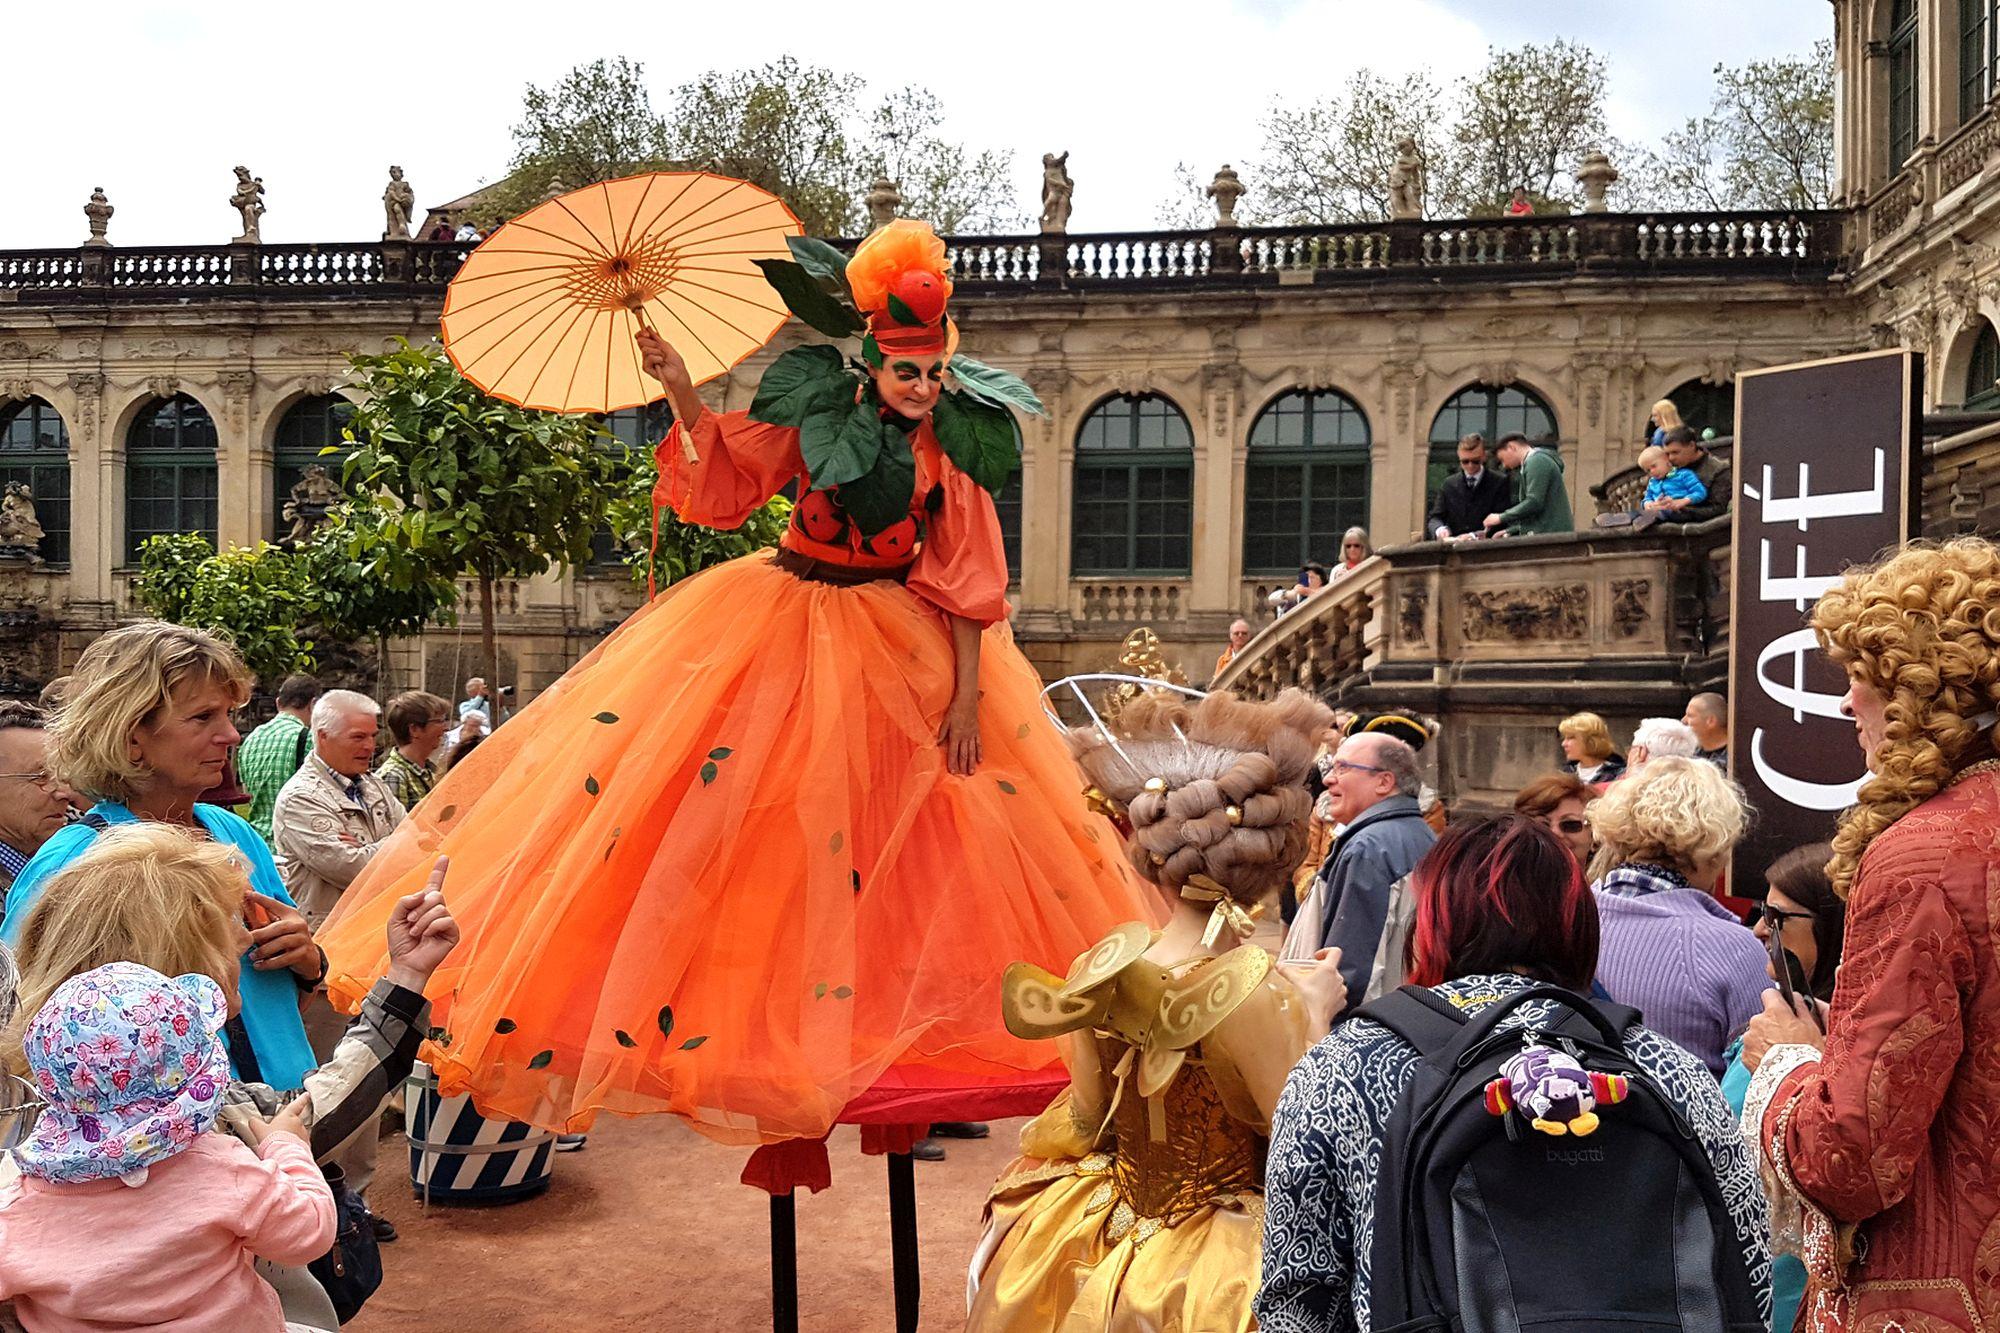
(131, 901)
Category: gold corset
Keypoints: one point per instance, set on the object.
(1205, 1153)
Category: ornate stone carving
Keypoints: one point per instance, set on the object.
(884, 201)
(1721, 369)
(1057, 189)
(248, 201)
(1401, 379)
(1414, 614)
(163, 386)
(1596, 175)
(317, 385)
(311, 497)
(99, 211)
(14, 390)
(1225, 190)
(1406, 180)
(1525, 614)
(19, 349)
(1050, 339)
(1630, 605)
(20, 530)
(397, 201)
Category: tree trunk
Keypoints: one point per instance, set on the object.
(488, 643)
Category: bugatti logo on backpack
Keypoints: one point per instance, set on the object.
(1518, 1159)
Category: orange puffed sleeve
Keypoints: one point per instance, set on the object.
(743, 463)
(962, 568)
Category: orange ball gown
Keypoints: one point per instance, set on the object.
(720, 869)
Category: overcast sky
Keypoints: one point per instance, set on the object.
(156, 102)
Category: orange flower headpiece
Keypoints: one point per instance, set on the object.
(899, 280)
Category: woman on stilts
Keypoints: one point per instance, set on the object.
(760, 859)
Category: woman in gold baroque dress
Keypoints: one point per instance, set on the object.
(1137, 1203)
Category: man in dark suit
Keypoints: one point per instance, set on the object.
(1469, 494)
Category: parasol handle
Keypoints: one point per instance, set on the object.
(636, 303)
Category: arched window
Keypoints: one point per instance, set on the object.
(1902, 83)
(1007, 504)
(1981, 391)
(169, 472)
(1704, 406)
(1489, 412)
(1133, 511)
(1978, 29)
(34, 450)
(311, 425)
(1306, 481)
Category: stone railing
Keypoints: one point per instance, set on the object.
(1624, 490)
(1891, 206)
(1332, 637)
(1965, 154)
(1800, 246)
(1126, 602)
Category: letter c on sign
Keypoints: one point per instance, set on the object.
(1806, 795)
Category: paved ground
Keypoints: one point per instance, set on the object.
(649, 1229)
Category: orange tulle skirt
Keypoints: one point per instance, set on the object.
(720, 870)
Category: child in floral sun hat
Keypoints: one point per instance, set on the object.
(129, 1212)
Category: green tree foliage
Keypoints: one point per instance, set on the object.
(1331, 158)
(257, 597)
(1525, 121)
(1766, 142)
(474, 485)
(596, 123)
(801, 131)
(281, 606)
(685, 548)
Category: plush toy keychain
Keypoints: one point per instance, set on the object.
(1552, 1091)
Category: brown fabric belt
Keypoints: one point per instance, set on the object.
(825, 571)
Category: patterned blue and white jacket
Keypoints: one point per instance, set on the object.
(1326, 1152)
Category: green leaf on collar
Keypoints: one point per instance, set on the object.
(800, 380)
(805, 298)
(979, 438)
(841, 442)
(881, 498)
(990, 384)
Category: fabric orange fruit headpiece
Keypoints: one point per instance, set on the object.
(899, 280)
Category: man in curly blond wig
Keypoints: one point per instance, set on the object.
(1878, 1136)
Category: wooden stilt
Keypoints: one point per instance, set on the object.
(784, 1265)
(903, 1240)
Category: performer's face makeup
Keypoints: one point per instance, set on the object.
(911, 384)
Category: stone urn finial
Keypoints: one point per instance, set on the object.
(1596, 175)
(99, 211)
(884, 202)
(1225, 189)
(557, 187)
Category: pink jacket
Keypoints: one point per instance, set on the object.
(172, 1255)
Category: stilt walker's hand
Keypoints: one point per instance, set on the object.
(960, 737)
(658, 358)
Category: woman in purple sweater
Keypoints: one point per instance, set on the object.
(1669, 949)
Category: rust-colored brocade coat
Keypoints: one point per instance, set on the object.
(1896, 1130)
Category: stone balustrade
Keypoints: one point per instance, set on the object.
(1800, 244)
(1126, 602)
(1330, 639)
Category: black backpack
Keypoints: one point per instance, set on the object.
(1484, 1224)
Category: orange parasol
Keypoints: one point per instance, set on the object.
(543, 313)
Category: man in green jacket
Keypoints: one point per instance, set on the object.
(1541, 504)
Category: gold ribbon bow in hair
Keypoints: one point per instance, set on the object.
(1240, 921)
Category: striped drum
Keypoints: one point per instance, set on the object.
(459, 1156)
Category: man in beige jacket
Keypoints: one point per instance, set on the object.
(333, 813)
(330, 817)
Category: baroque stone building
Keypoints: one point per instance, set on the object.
(1222, 404)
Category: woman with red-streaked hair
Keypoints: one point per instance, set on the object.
(1501, 907)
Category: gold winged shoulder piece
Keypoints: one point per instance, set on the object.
(1036, 1004)
(1193, 1006)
